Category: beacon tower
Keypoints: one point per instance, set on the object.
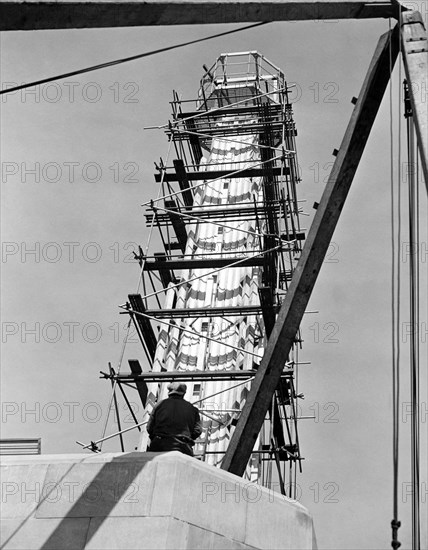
(227, 218)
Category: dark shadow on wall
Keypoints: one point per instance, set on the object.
(95, 493)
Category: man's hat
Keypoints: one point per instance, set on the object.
(177, 388)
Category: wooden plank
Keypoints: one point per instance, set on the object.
(65, 14)
(230, 211)
(143, 323)
(234, 311)
(206, 263)
(142, 388)
(183, 181)
(216, 174)
(266, 302)
(415, 58)
(205, 115)
(313, 254)
(191, 376)
(177, 222)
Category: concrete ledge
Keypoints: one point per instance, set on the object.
(141, 500)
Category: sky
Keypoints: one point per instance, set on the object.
(76, 167)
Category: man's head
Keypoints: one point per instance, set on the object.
(177, 388)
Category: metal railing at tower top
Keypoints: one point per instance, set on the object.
(246, 70)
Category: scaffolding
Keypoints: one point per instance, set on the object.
(228, 220)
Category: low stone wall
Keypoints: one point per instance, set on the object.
(141, 500)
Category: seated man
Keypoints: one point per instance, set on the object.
(174, 423)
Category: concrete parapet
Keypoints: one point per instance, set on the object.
(141, 500)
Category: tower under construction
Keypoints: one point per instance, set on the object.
(227, 216)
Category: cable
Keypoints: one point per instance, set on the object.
(414, 319)
(126, 59)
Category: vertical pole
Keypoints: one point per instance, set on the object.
(414, 320)
(113, 384)
(415, 58)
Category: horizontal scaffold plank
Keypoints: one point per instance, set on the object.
(209, 263)
(213, 174)
(220, 214)
(204, 312)
(208, 131)
(229, 111)
(191, 376)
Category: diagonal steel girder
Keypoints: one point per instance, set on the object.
(415, 58)
(326, 217)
